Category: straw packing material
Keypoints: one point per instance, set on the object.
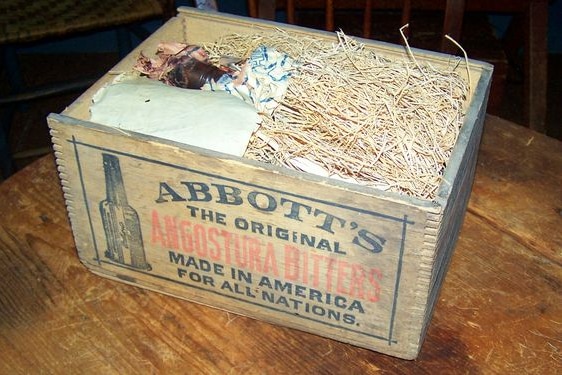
(353, 115)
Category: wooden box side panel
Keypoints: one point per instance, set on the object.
(286, 248)
(455, 192)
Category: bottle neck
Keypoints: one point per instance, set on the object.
(114, 187)
(191, 73)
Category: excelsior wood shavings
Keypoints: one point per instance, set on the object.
(357, 116)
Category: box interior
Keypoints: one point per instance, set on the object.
(200, 27)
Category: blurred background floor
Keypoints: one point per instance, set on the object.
(29, 130)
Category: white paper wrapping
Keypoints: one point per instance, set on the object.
(214, 120)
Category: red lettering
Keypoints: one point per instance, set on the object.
(374, 277)
(270, 262)
(291, 263)
(170, 223)
(316, 259)
(254, 254)
(185, 236)
(200, 240)
(305, 267)
(356, 288)
(156, 234)
(215, 249)
(241, 253)
(331, 262)
(342, 276)
(329, 274)
(227, 240)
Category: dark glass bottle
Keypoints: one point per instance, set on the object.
(120, 221)
(190, 73)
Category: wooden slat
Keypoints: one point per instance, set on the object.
(454, 14)
(472, 5)
(535, 62)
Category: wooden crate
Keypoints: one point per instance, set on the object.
(336, 259)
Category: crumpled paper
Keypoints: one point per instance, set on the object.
(267, 73)
(261, 81)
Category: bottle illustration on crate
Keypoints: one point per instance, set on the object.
(121, 222)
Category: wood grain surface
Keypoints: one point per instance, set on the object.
(500, 309)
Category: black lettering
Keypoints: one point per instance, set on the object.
(198, 191)
(349, 318)
(269, 206)
(295, 210)
(208, 280)
(283, 287)
(241, 223)
(282, 301)
(267, 296)
(176, 258)
(265, 282)
(356, 305)
(328, 221)
(166, 190)
(369, 241)
(226, 286)
(340, 302)
(315, 295)
(228, 195)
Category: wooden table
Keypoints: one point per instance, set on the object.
(500, 309)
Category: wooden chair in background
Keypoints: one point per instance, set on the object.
(25, 23)
(454, 13)
(528, 30)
